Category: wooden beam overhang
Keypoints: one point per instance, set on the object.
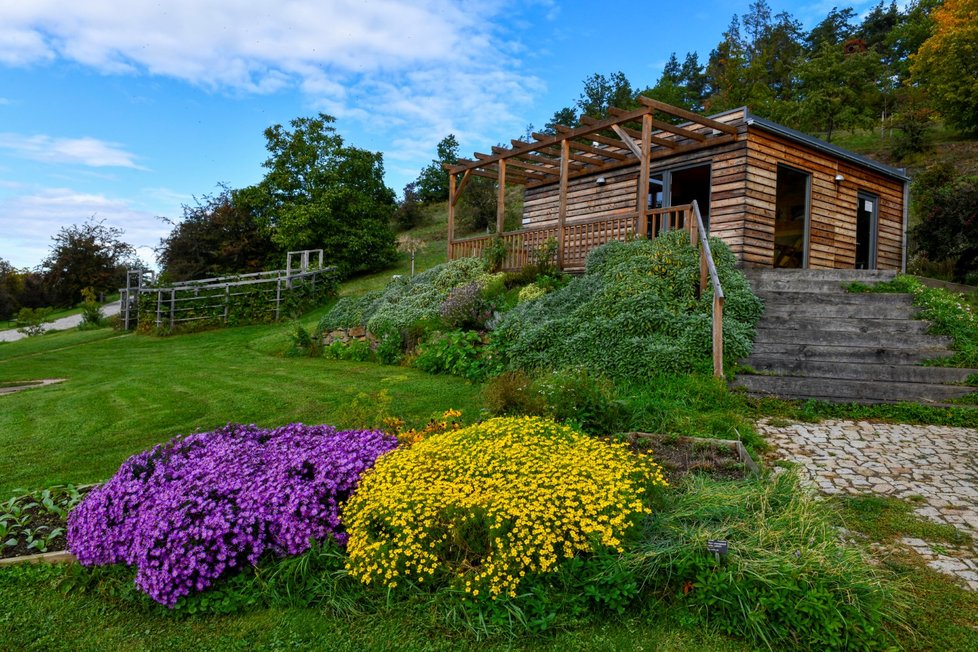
(589, 151)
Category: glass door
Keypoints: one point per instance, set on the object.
(867, 213)
(791, 218)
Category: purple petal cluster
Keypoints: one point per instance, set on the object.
(187, 512)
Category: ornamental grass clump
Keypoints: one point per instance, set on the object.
(483, 507)
(195, 509)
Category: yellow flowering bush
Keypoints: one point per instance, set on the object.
(486, 505)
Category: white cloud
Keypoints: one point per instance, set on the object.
(31, 219)
(72, 151)
(410, 70)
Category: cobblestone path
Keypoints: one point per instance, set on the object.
(936, 466)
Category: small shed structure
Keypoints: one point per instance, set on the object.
(775, 196)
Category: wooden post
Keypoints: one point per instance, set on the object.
(717, 335)
(694, 219)
(278, 298)
(451, 213)
(227, 301)
(562, 206)
(643, 178)
(501, 199)
(173, 307)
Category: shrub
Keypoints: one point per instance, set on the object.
(531, 292)
(30, 321)
(466, 308)
(458, 353)
(581, 398)
(406, 302)
(789, 581)
(511, 393)
(197, 508)
(92, 315)
(485, 506)
(349, 312)
(633, 314)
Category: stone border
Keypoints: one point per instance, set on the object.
(56, 557)
(742, 454)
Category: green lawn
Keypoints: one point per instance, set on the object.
(126, 393)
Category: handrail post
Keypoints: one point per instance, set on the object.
(717, 335)
(562, 200)
(451, 213)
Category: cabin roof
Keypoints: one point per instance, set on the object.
(821, 145)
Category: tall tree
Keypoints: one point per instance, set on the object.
(835, 29)
(320, 193)
(565, 116)
(600, 93)
(217, 235)
(837, 90)
(726, 83)
(87, 255)
(947, 63)
(432, 183)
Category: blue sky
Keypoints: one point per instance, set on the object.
(126, 110)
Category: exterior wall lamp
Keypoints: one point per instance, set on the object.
(600, 181)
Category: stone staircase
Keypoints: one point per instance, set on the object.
(816, 340)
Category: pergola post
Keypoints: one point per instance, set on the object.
(562, 207)
(451, 212)
(643, 177)
(501, 198)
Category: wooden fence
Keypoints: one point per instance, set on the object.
(261, 296)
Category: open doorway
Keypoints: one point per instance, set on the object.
(866, 225)
(791, 218)
(677, 188)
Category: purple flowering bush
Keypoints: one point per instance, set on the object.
(189, 511)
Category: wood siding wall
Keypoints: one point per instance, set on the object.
(832, 209)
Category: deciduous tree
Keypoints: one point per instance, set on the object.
(947, 63)
(321, 193)
(88, 255)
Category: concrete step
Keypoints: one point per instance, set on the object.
(776, 310)
(863, 354)
(867, 299)
(839, 275)
(877, 339)
(778, 284)
(850, 325)
(844, 391)
(858, 371)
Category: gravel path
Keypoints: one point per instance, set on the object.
(64, 323)
(936, 466)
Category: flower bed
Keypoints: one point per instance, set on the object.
(186, 512)
(484, 506)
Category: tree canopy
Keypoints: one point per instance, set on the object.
(88, 255)
(320, 193)
(217, 235)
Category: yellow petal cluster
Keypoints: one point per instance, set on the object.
(487, 504)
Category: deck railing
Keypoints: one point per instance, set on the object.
(578, 238)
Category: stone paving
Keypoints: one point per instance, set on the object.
(934, 466)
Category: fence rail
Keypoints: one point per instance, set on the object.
(252, 297)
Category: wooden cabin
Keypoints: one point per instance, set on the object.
(775, 196)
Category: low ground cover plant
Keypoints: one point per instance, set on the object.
(947, 312)
(188, 512)
(34, 522)
(483, 507)
(634, 313)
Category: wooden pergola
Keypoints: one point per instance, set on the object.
(625, 138)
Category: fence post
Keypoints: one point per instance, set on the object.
(159, 309)
(227, 301)
(173, 307)
(278, 297)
